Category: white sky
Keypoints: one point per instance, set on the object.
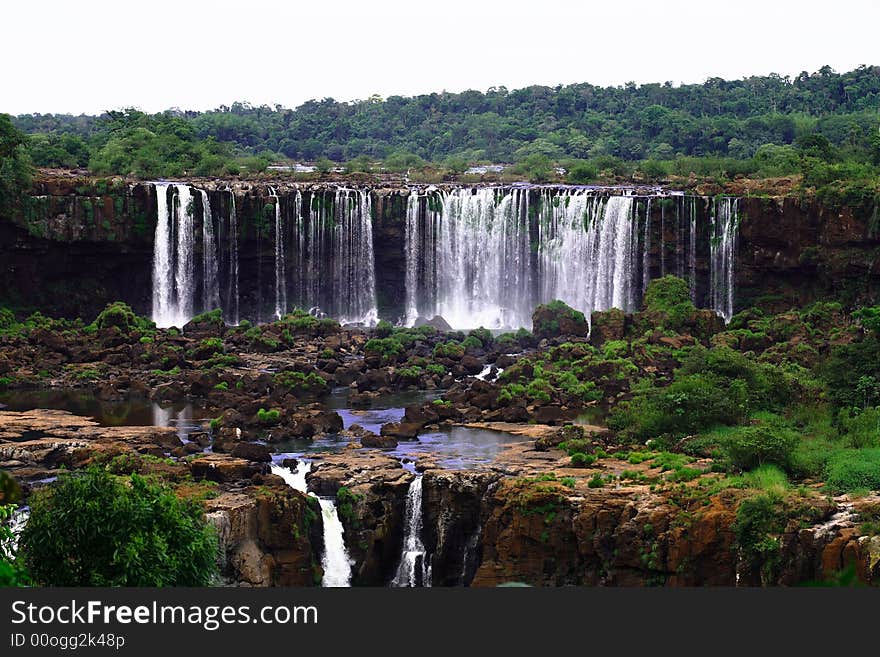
(90, 55)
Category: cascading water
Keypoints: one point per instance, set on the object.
(415, 564)
(486, 259)
(587, 252)
(411, 248)
(692, 250)
(354, 274)
(476, 258)
(210, 274)
(163, 273)
(173, 260)
(280, 260)
(232, 302)
(335, 561)
(724, 225)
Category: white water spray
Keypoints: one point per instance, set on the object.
(415, 565)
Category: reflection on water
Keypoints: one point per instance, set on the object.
(135, 411)
(455, 448)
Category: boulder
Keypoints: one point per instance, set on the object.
(252, 452)
(401, 430)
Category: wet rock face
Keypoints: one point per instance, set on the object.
(370, 490)
(270, 536)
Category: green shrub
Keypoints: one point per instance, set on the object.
(272, 416)
(298, 382)
(124, 531)
(670, 296)
(596, 481)
(383, 329)
(121, 315)
(861, 429)
(689, 405)
(472, 342)
(853, 469)
(759, 522)
(753, 446)
(450, 349)
(387, 348)
(7, 319)
(222, 386)
(581, 460)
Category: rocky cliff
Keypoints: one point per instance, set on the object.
(76, 244)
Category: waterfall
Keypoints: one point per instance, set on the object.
(354, 267)
(722, 253)
(662, 243)
(415, 564)
(475, 260)
(589, 256)
(232, 306)
(335, 560)
(163, 274)
(210, 276)
(411, 248)
(692, 250)
(173, 261)
(646, 249)
(280, 264)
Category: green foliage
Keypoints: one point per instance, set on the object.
(161, 145)
(450, 349)
(852, 374)
(869, 317)
(759, 522)
(554, 317)
(852, 470)
(669, 297)
(388, 348)
(298, 382)
(121, 316)
(690, 404)
(125, 531)
(581, 460)
(272, 416)
(384, 329)
(16, 169)
(765, 444)
(223, 386)
(346, 501)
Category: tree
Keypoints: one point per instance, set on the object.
(15, 165)
(117, 531)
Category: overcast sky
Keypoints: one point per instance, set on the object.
(92, 55)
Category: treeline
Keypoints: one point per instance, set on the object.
(652, 121)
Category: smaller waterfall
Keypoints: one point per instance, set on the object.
(646, 248)
(210, 275)
(173, 258)
(354, 267)
(335, 560)
(692, 250)
(722, 254)
(183, 270)
(163, 273)
(411, 249)
(415, 564)
(469, 560)
(280, 260)
(232, 280)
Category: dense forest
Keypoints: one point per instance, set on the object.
(823, 126)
